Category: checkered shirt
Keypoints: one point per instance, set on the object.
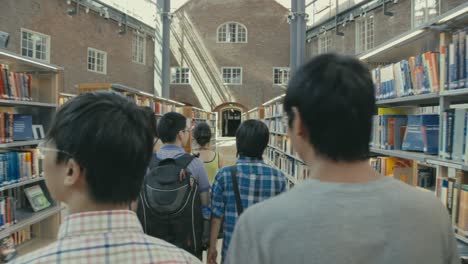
(257, 182)
(106, 237)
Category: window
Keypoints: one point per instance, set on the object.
(281, 76)
(232, 75)
(180, 75)
(232, 32)
(35, 45)
(365, 34)
(138, 48)
(424, 11)
(97, 61)
(325, 43)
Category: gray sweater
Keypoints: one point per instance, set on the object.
(383, 221)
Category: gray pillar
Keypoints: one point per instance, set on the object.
(298, 34)
(166, 48)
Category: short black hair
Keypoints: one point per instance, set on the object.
(202, 133)
(152, 120)
(252, 138)
(170, 125)
(109, 137)
(334, 96)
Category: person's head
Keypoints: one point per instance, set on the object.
(98, 147)
(172, 129)
(202, 134)
(329, 105)
(252, 138)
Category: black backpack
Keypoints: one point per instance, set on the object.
(169, 205)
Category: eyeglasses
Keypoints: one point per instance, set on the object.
(42, 150)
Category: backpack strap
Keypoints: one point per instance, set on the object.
(154, 162)
(184, 160)
(235, 186)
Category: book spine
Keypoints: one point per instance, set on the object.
(449, 135)
(461, 60)
(452, 67)
(442, 60)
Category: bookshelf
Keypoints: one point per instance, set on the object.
(64, 97)
(196, 115)
(412, 77)
(159, 105)
(28, 88)
(257, 113)
(279, 152)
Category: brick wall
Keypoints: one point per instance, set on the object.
(70, 38)
(267, 47)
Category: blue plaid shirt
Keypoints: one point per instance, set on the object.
(257, 182)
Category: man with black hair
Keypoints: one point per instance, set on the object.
(256, 182)
(346, 213)
(95, 156)
(179, 212)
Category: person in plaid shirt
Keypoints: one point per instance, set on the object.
(94, 157)
(257, 182)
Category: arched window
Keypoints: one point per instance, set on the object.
(232, 32)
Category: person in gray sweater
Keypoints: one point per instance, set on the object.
(346, 213)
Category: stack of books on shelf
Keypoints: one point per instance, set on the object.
(397, 168)
(274, 110)
(7, 211)
(19, 166)
(15, 86)
(416, 75)
(453, 60)
(276, 125)
(290, 166)
(162, 108)
(397, 131)
(22, 236)
(454, 125)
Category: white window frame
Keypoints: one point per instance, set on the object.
(232, 68)
(179, 82)
(238, 25)
(47, 48)
(282, 77)
(365, 20)
(104, 66)
(426, 15)
(136, 38)
(328, 39)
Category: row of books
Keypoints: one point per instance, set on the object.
(274, 110)
(22, 236)
(406, 132)
(8, 208)
(161, 108)
(282, 143)
(15, 86)
(19, 166)
(454, 125)
(201, 115)
(15, 127)
(276, 125)
(416, 75)
(397, 168)
(288, 165)
(453, 60)
(453, 193)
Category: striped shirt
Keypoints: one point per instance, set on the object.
(106, 237)
(257, 182)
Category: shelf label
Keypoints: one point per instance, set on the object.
(445, 164)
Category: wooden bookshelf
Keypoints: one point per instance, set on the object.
(39, 99)
(196, 115)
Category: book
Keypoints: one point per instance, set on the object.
(422, 134)
(22, 127)
(458, 134)
(452, 77)
(442, 61)
(37, 198)
(461, 59)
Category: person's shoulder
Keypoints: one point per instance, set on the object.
(47, 254)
